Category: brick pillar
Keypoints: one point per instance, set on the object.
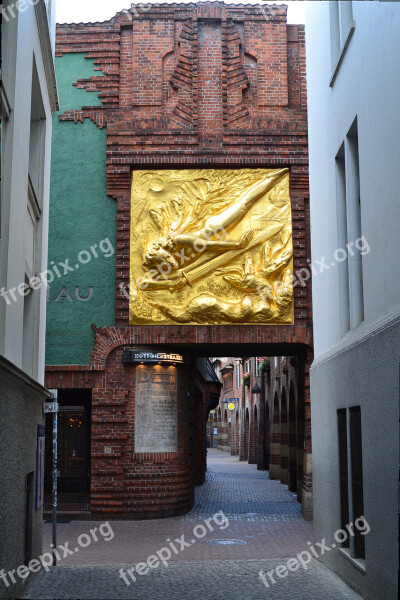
(292, 441)
(262, 428)
(235, 433)
(242, 425)
(210, 82)
(307, 494)
(253, 442)
(267, 434)
(247, 434)
(284, 439)
(224, 430)
(275, 461)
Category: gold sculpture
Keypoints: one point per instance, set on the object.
(211, 246)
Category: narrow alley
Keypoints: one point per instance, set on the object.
(257, 528)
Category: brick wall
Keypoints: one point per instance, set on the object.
(196, 85)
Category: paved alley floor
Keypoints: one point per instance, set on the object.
(242, 523)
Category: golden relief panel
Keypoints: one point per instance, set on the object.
(211, 246)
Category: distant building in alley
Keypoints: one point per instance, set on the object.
(28, 99)
(353, 69)
(272, 436)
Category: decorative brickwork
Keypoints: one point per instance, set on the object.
(191, 85)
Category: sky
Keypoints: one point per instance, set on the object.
(85, 11)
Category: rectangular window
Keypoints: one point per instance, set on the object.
(346, 20)
(341, 213)
(347, 254)
(247, 366)
(357, 477)
(37, 137)
(343, 471)
(341, 31)
(354, 226)
(351, 488)
(256, 366)
(238, 375)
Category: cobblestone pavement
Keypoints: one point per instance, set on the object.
(210, 580)
(263, 516)
(242, 492)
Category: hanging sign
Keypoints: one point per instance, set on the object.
(132, 356)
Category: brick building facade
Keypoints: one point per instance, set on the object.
(195, 85)
(277, 445)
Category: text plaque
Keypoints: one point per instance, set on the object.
(156, 404)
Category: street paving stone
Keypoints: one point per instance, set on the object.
(210, 580)
(242, 493)
(262, 513)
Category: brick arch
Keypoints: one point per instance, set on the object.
(108, 338)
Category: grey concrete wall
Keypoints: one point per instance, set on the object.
(366, 374)
(21, 410)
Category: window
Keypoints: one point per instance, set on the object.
(343, 472)
(341, 213)
(341, 30)
(257, 366)
(351, 489)
(351, 245)
(354, 226)
(357, 477)
(33, 224)
(238, 383)
(37, 143)
(247, 366)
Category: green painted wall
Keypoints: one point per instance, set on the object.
(81, 215)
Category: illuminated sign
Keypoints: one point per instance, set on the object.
(231, 406)
(134, 356)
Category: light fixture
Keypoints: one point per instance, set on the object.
(256, 389)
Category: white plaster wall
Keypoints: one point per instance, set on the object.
(15, 188)
(367, 86)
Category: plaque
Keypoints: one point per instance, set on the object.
(156, 403)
